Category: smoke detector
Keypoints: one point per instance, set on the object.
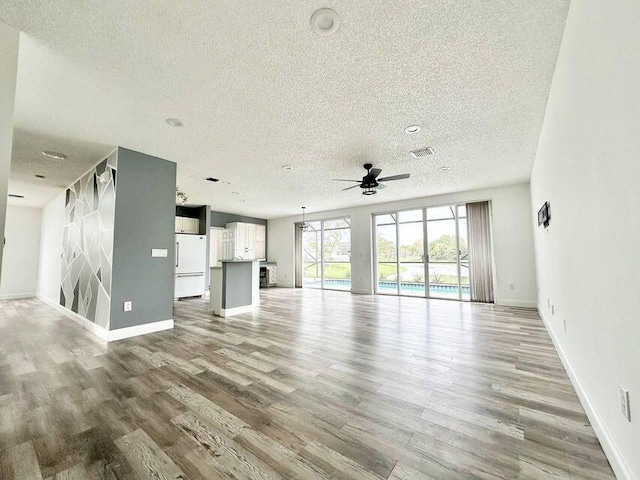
(325, 21)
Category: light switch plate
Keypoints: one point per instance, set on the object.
(159, 252)
(128, 306)
(624, 403)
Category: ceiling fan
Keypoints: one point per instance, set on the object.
(370, 182)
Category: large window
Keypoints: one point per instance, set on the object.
(326, 254)
(423, 252)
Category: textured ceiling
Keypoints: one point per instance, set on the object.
(258, 89)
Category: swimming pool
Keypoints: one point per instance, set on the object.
(408, 288)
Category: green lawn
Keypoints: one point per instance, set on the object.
(386, 271)
(336, 271)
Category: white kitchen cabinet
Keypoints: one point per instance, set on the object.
(261, 242)
(187, 225)
(272, 277)
(244, 240)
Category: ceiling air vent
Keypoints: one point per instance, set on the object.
(422, 152)
(13, 195)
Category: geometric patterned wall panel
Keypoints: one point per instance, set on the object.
(87, 244)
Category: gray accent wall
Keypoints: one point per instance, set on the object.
(236, 284)
(144, 219)
(220, 219)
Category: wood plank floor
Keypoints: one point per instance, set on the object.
(314, 385)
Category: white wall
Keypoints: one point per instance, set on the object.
(21, 252)
(588, 263)
(50, 266)
(9, 38)
(512, 236)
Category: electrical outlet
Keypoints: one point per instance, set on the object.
(128, 306)
(624, 403)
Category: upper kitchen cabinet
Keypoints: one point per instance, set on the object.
(261, 242)
(244, 239)
(187, 225)
(249, 240)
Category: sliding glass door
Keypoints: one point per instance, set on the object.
(387, 253)
(312, 255)
(411, 252)
(326, 254)
(336, 254)
(423, 252)
(447, 246)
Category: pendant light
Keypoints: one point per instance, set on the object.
(304, 226)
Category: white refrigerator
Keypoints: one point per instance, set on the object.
(191, 264)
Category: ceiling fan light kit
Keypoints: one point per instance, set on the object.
(370, 183)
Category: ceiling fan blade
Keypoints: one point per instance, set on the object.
(345, 180)
(349, 188)
(381, 186)
(374, 172)
(402, 176)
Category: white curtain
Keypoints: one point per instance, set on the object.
(480, 255)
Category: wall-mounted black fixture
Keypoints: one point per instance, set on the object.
(211, 179)
(544, 215)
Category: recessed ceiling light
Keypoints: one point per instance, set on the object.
(236, 193)
(13, 195)
(211, 179)
(226, 182)
(54, 155)
(287, 167)
(325, 21)
(411, 129)
(175, 122)
(444, 168)
(39, 177)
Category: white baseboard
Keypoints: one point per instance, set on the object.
(17, 296)
(97, 330)
(517, 303)
(143, 329)
(611, 450)
(228, 312)
(109, 335)
(100, 332)
(284, 285)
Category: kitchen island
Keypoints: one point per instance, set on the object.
(235, 287)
